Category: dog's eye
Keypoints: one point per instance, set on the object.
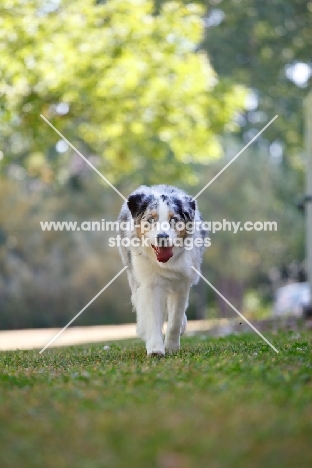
(150, 220)
(174, 219)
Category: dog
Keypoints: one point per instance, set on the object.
(161, 239)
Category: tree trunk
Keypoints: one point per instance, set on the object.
(233, 291)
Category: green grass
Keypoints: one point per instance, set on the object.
(230, 402)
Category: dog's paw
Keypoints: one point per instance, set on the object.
(157, 354)
(155, 348)
(172, 347)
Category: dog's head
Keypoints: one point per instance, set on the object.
(162, 214)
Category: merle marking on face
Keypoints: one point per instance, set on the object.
(138, 202)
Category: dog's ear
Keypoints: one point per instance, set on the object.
(189, 208)
(191, 203)
(137, 203)
(185, 207)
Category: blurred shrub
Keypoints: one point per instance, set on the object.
(47, 277)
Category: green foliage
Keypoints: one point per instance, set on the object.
(118, 80)
(232, 400)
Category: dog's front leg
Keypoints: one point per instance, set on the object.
(177, 305)
(150, 316)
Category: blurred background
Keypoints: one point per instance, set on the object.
(150, 92)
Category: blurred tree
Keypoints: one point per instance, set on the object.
(264, 45)
(251, 189)
(48, 276)
(117, 80)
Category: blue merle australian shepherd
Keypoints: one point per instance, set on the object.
(165, 238)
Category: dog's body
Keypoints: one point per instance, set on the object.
(160, 272)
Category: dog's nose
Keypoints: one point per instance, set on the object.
(162, 239)
(162, 236)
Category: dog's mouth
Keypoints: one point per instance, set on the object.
(163, 253)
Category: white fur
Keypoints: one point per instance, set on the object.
(163, 292)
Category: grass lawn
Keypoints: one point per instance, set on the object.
(222, 402)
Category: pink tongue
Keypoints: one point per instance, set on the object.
(163, 254)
